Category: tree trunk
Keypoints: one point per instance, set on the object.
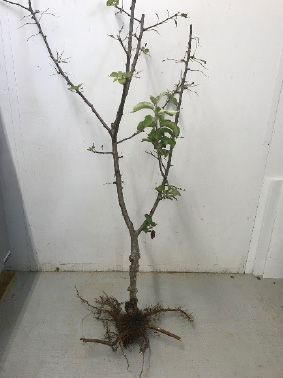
(131, 306)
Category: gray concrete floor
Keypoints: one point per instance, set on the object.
(238, 330)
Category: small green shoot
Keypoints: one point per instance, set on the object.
(121, 77)
(148, 224)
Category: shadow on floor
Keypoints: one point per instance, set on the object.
(19, 238)
(12, 310)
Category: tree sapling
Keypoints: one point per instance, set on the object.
(161, 130)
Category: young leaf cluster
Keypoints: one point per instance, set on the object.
(168, 191)
(91, 148)
(75, 88)
(145, 49)
(121, 77)
(148, 224)
(171, 98)
(163, 132)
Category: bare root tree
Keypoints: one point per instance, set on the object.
(160, 126)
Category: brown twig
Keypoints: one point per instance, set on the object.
(102, 152)
(105, 342)
(174, 16)
(119, 39)
(33, 14)
(130, 137)
(122, 10)
(119, 187)
(19, 5)
(161, 330)
(130, 67)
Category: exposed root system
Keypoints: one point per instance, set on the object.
(128, 327)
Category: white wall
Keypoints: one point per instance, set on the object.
(72, 218)
(265, 254)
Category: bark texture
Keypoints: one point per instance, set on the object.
(131, 306)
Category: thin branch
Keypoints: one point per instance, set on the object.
(122, 10)
(102, 152)
(162, 22)
(122, 44)
(27, 23)
(105, 342)
(130, 67)
(161, 330)
(181, 91)
(33, 14)
(33, 35)
(119, 188)
(19, 5)
(138, 48)
(120, 40)
(161, 166)
(130, 137)
(151, 154)
(183, 82)
(199, 61)
(46, 13)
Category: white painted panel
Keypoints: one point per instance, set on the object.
(4, 244)
(266, 248)
(71, 216)
(274, 262)
(264, 225)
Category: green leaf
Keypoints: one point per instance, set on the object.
(75, 88)
(148, 121)
(148, 217)
(168, 191)
(153, 136)
(165, 141)
(153, 100)
(91, 149)
(110, 3)
(165, 129)
(174, 101)
(175, 128)
(160, 188)
(158, 98)
(163, 152)
(142, 105)
(148, 223)
(145, 49)
(185, 15)
(175, 192)
(169, 112)
(120, 76)
(127, 75)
